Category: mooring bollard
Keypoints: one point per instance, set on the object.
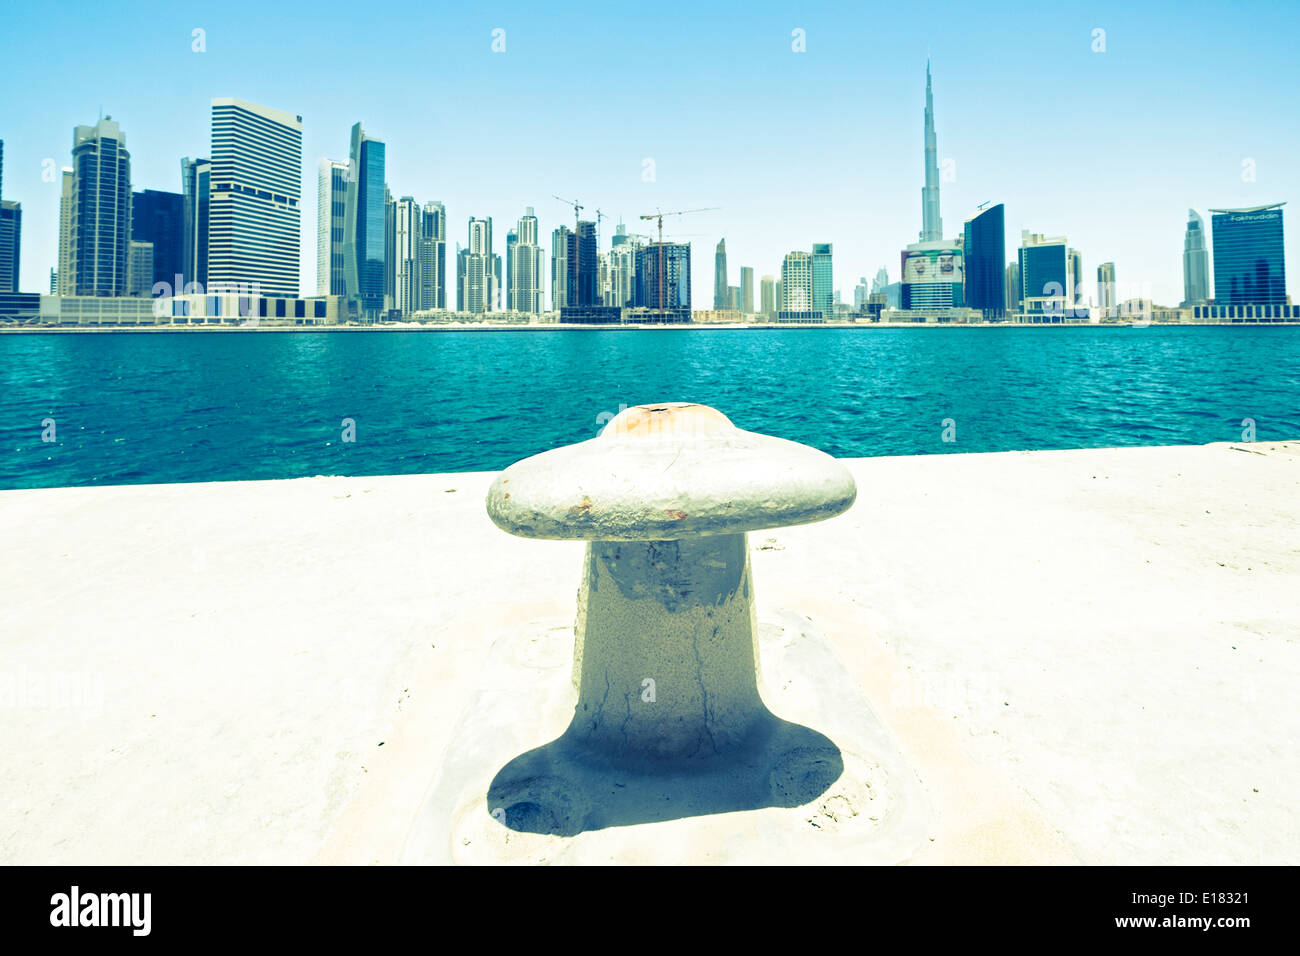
(665, 661)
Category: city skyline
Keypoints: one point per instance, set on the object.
(1120, 197)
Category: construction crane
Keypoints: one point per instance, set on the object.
(599, 216)
(577, 208)
(659, 216)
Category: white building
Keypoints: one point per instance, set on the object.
(256, 185)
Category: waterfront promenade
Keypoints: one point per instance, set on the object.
(1085, 656)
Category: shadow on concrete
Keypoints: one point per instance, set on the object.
(562, 788)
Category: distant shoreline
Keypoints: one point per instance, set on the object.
(558, 327)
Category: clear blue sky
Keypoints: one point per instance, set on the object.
(1108, 148)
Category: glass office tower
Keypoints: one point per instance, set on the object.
(1249, 268)
(984, 247)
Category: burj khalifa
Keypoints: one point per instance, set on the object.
(931, 224)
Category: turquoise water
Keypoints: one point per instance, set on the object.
(132, 408)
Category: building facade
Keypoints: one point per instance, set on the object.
(664, 281)
(365, 224)
(101, 209)
(254, 217)
(196, 193)
(158, 218)
(823, 287)
(984, 255)
(1196, 262)
(433, 256)
(1249, 258)
(331, 215)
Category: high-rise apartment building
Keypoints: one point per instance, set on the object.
(475, 279)
(331, 217)
(622, 262)
(1106, 293)
(254, 218)
(408, 230)
(747, 289)
(101, 209)
(560, 268)
(525, 265)
(767, 297)
(1249, 257)
(65, 233)
(797, 284)
(433, 256)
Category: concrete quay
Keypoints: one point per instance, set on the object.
(1080, 657)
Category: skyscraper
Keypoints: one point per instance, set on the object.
(1196, 262)
(823, 288)
(797, 283)
(1013, 287)
(583, 266)
(65, 232)
(475, 278)
(746, 289)
(1249, 266)
(984, 250)
(931, 223)
(1047, 280)
(196, 188)
(11, 237)
(623, 253)
(390, 250)
(560, 268)
(365, 224)
(767, 296)
(664, 280)
(1106, 300)
(254, 215)
(524, 273)
(433, 256)
(331, 215)
(721, 291)
(157, 218)
(408, 229)
(139, 268)
(11, 232)
(101, 209)
(512, 237)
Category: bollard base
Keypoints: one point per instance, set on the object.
(827, 785)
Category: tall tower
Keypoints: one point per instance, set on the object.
(931, 224)
(101, 209)
(365, 232)
(721, 291)
(196, 187)
(331, 212)
(253, 213)
(1196, 263)
(433, 256)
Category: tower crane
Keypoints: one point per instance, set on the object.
(577, 208)
(659, 216)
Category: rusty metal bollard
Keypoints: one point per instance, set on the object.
(665, 661)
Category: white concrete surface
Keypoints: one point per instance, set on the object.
(1086, 656)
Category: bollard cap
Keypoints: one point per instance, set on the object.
(669, 471)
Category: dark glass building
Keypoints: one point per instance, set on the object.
(196, 187)
(663, 280)
(1249, 268)
(984, 248)
(583, 266)
(365, 239)
(159, 217)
